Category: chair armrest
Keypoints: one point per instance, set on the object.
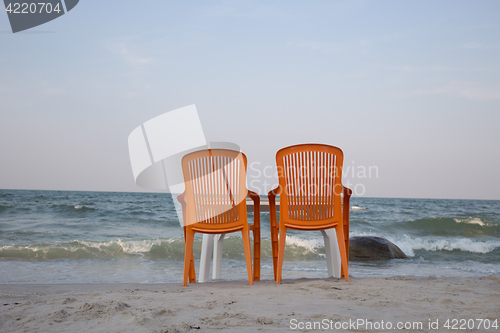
(256, 233)
(345, 217)
(347, 191)
(347, 196)
(272, 206)
(274, 192)
(182, 199)
(256, 208)
(274, 227)
(254, 196)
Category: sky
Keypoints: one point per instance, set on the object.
(409, 90)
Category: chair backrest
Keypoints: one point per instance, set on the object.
(215, 181)
(310, 179)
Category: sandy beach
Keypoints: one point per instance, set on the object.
(235, 306)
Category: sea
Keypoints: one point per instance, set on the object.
(60, 237)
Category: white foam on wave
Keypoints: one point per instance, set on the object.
(471, 220)
(143, 246)
(134, 246)
(357, 208)
(78, 207)
(365, 233)
(409, 245)
(462, 244)
(309, 244)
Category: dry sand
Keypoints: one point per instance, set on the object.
(238, 307)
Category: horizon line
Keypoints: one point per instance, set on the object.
(164, 192)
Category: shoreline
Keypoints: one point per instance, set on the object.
(236, 306)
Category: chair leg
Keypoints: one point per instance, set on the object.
(248, 253)
(192, 273)
(281, 253)
(274, 248)
(256, 254)
(206, 257)
(188, 254)
(216, 269)
(328, 253)
(333, 260)
(342, 249)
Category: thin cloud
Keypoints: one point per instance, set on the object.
(315, 46)
(53, 90)
(329, 47)
(465, 89)
(379, 40)
(136, 80)
(410, 68)
(126, 52)
(229, 9)
(6, 89)
(365, 42)
(391, 37)
(474, 46)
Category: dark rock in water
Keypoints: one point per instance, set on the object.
(373, 248)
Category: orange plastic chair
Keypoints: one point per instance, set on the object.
(214, 203)
(310, 190)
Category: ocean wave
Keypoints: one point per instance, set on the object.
(300, 248)
(442, 226)
(358, 208)
(410, 245)
(171, 249)
(471, 220)
(78, 249)
(433, 244)
(72, 208)
(137, 211)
